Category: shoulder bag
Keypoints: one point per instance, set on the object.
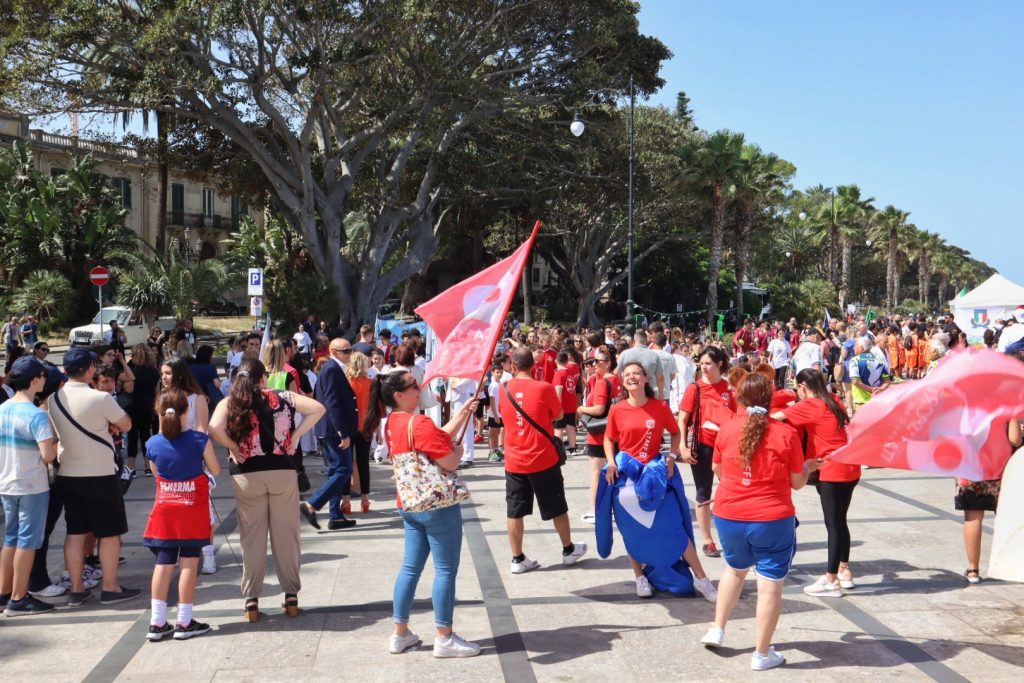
(120, 469)
(422, 484)
(695, 422)
(596, 424)
(557, 443)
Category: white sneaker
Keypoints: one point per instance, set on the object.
(397, 644)
(706, 588)
(454, 646)
(52, 591)
(589, 517)
(822, 588)
(527, 565)
(846, 580)
(643, 588)
(90, 580)
(209, 563)
(579, 550)
(713, 638)
(760, 662)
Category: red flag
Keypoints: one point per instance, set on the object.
(952, 422)
(467, 317)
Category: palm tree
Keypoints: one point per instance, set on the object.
(855, 217)
(760, 178)
(825, 219)
(156, 282)
(889, 228)
(45, 294)
(711, 164)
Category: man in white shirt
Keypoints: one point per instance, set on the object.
(779, 352)
(808, 354)
(1014, 331)
(668, 365)
(501, 367)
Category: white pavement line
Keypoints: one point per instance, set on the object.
(508, 641)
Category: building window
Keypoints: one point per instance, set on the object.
(208, 202)
(238, 210)
(56, 171)
(177, 204)
(123, 186)
(536, 276)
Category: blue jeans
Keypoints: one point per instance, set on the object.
(437, 532)
(339, 472)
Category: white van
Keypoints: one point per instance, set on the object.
(135, 329)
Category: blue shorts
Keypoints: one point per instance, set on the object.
(768, 547)
(25, 520)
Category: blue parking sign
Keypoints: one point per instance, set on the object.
(255, 282)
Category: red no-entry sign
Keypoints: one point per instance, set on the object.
(99, 276)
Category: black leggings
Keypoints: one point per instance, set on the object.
(138, 435)
(361, 453)
(835, 503)
(780, 377)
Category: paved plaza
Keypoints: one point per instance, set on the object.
(912, 616)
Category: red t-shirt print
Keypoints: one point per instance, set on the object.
(761, 492)
(537, 372)
(526, 449)
(717, 406)
(566, 378)
(638, 429)
(824, 435)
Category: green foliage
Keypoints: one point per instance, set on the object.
(910, 306)
(806, 300)
(45, 294)
(154, 283)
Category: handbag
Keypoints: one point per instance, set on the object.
(557, 443)
(124, 474)
(422, 484)
(296, 461)
(596, 424)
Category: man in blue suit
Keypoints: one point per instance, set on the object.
(335, 431)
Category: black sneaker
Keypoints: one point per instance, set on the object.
(338, 524)
(194, 628)
(76, 599)
(711, 550)
(4, 599)
(159, 632)
(26, 606)
(149, 472)
(112, 597)
(93, 561)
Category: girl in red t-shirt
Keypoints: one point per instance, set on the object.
(435, 532)
(603, 387)
(823, 420)
(758, 461)
(636, 426)
(717, 406)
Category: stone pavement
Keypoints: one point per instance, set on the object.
(912, 616)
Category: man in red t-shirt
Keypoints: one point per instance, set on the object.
(550, 364)
(532, 469)
(566, 377)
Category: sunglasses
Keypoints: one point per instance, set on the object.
(45, 350)
(412, 385)
(344, 351)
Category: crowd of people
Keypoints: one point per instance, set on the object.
(755, 415)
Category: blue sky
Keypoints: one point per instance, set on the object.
(919, 102)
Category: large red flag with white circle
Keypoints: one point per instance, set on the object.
(952, 422)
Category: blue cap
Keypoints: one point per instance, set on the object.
(54, 378)
(78, 359)
(26, 367)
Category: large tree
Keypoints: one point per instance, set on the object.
(347, 108)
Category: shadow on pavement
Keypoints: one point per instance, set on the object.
(563, 644)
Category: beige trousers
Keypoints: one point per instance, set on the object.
(268, 501)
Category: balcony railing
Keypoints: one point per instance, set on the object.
(79, 144)
(195, 220)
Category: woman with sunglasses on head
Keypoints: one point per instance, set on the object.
(603, 389)
(823, 419)
(436, 532)
(256, 425)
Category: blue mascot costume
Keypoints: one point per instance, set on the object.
(653, 517)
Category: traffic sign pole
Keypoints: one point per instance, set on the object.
(100, 276)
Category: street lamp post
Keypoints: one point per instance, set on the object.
(577, 127)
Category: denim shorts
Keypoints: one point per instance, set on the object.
(25, 520)
(768, 547)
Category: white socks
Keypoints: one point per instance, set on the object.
(184, 613)
(159, 608)
(209, 549)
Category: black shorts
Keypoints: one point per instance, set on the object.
(494, 423)
(171, 555)
(93, 505)
(480, 408)
(595, 451)
(548, 487)
(703, 477)
(568, 420)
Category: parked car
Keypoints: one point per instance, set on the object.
(135, 329)
(219, 306)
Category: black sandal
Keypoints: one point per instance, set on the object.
(290, 606)
(252, 610)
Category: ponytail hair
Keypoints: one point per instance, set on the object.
(755, 394)
(382, 398)
(246, 396)
(815, 383)
(170, 406)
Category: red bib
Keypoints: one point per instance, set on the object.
(181, 513)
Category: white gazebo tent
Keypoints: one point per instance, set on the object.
(994, 299)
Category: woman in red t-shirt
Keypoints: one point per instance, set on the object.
(717, 406)
(435, 532)
(758, 462)
(636, 426)
(823, 419)
(603, 387)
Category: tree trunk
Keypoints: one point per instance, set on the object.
(890, 270)
(715, 256)
(833, 253)
(844, 289)
(943, 285)
(527, 293)
(742, 253)
(163, 125)
(923, 276)
(586, 316)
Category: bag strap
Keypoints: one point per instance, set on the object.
(608, 400)
(412, 418)
(696, 415)
(79, 427)
(529, 419)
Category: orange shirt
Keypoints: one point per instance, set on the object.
(361, 388)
